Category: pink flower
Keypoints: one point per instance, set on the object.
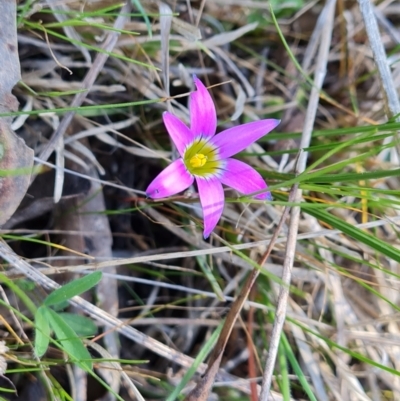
(206, 158)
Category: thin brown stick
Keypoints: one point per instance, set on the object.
(239, 302)
(203, 388)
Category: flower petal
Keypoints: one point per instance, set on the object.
(212, 201)
(236, 139)
(173, 179)
(245, 179)
(203, 117)
(181, 135)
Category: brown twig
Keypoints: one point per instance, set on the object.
(203, 388)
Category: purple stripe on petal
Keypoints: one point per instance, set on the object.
(243, 178)
(212, 201)
(173, 179)
(236, 139)
(203, 117)
(181, 135)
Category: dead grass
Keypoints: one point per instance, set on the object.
(307, 284)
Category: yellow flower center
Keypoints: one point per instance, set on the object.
(198, 160)
(201, 159)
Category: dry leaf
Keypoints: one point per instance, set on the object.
(16, 159)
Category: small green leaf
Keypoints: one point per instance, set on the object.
(69, 340)
(82, 325)
(72, 289)
(60, 306)
(42, 332)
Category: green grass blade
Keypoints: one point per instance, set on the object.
(284, 382)
(82, 109)
(297, 368)
(201, 356)
(142, 12)
(13, 285)
(208, 273)
(356, 233)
